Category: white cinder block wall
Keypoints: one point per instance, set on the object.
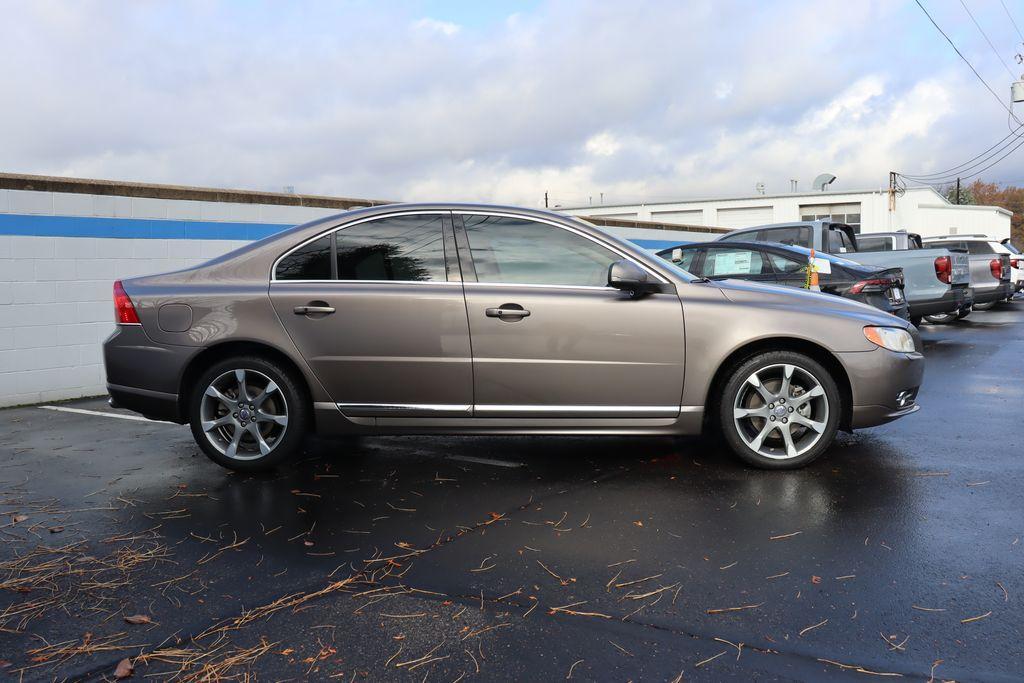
(56, 306)
(64, 241)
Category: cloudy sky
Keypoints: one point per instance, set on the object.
(500, 101)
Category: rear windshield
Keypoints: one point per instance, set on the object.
(865, 243)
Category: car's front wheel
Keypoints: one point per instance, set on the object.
(779, 410)
(248, 413)
(984, 306)
(943, 318)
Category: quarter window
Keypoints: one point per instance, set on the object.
(309, 262)
(521, 251)
(405, 248)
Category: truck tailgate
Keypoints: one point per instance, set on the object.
(961, 268)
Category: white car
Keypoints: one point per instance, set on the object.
(1016, 265)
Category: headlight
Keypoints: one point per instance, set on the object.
(892, 338)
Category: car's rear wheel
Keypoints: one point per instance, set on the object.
(779, 410)
(248, 413)
(985, 306)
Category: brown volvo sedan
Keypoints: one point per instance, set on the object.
(468, 319)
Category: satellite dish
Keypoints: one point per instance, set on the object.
(759, 188)
(822, 182)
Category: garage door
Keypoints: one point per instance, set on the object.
(745, 217)
(679, 217)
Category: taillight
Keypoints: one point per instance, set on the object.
(1015, 263)
(874, 285)
(124, 309)
(996, 267)
(944, 269)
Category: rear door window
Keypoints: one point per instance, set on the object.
(396, 248)
(784, 264)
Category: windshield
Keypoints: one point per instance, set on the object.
(1013, 249)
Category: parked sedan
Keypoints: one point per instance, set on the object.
(787, 265)
(469, 319)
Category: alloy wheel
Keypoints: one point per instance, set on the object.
(244, 414)
(781, 411)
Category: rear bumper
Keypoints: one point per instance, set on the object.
(1003, 290)
(953, 300)
(144, 376)
(877, 379)
(153, 404)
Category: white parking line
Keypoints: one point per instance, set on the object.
(82, 411)
(486, 461)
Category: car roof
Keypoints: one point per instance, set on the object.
(793, 249)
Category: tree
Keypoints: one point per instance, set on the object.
(966, 196)
(1006, 197)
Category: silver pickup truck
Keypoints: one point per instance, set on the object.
(937, 280)
(990, 266)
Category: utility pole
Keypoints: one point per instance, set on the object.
(958, 191)
(545, 199)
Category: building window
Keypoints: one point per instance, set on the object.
(838, 213)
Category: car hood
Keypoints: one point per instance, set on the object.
(746, 291)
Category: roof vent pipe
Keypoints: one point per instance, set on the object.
(822, 182)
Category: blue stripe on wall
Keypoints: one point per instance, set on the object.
(139, 228)
(155, 228)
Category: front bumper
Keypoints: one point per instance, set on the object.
(956, 298)
(877, 380)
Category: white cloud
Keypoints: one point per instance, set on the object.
(445, 28)
(647, 100)
(603, 144)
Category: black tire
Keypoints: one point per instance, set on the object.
(917, 320)
(963, 312)
(806, 369)
(288, 396)
(943, 318)
(984, 307)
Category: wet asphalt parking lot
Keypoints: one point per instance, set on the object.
(898, 553)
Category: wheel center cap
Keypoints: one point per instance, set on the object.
(243, 415)
(779, 411)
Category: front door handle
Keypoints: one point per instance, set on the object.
(314, 308)
(508, 312)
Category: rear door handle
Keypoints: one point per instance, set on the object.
(313, 310)
(508, 312)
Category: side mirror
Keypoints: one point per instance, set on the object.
(629, 277)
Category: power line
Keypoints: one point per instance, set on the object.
(976, 173)
(985, 36)
(970, 163)
(966, 61)
(1010, 17)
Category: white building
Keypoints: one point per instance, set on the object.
(920, 209)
